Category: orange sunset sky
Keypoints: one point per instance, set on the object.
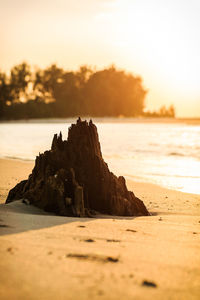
(159, 40)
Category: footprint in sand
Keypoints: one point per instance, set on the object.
(127, 276)
(149, 283)
(100, 292)
(112, 240)
(89, 241)
(93, 257)
(10, 250)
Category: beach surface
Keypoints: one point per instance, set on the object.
(43, 256)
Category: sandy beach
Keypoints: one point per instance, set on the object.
(44, 256)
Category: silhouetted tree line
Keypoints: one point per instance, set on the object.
(54, 92)
(163, 112)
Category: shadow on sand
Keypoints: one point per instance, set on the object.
(17, 217)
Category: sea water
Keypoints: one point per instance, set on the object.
(163, 153)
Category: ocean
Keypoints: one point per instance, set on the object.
(163, 153)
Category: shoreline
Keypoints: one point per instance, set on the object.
(187, 121)
(127, 178)
(43, 256)
(12, 171)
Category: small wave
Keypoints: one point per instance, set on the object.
(154, 144)
(188, 155)
(17, 158)
(111, 156)
(173, 175)
(176, 154)
(149, 175)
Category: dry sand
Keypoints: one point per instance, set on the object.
(49, 257)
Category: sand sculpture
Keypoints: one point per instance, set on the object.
(72, 179)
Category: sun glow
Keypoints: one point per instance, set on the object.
(156, 39)
(161, 41)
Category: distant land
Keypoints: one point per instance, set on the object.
(56, 93)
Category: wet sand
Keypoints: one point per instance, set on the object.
(44, 256)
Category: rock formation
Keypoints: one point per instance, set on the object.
(72, 179)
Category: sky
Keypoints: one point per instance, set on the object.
(156, 39)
